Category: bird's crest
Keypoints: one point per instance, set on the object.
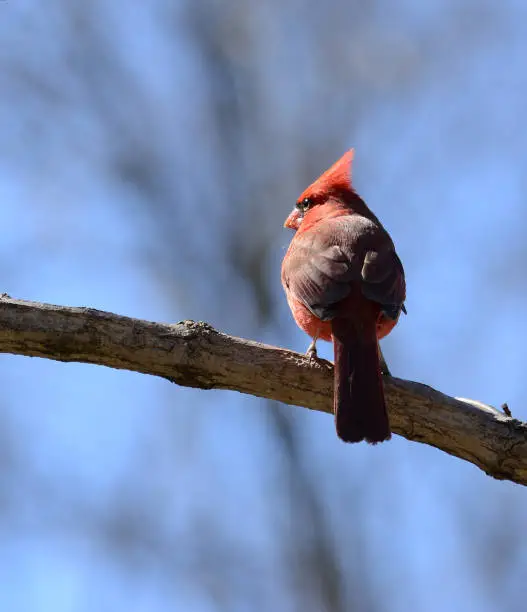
(336, 178)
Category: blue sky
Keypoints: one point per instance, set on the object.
(123, 492)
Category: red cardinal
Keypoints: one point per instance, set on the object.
(345, 283)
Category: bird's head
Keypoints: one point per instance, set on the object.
(334, 186)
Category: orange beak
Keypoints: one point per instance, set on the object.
(294, 220)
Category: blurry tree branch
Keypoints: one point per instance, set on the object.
(195, 355)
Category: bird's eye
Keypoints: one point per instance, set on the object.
(304, 205)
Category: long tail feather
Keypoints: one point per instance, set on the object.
(360, 409)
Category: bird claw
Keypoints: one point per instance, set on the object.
(385, 370)
(311, 352)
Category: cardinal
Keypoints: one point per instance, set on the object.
(345, 284)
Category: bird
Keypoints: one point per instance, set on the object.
(345, 284)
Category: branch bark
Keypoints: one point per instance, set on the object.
(195, 355)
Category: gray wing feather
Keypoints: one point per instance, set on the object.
(322, 267)
(383, 280)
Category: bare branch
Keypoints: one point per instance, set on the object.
(195, 355)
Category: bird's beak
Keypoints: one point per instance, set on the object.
(294, 220)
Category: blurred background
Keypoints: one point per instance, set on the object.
(150, 154)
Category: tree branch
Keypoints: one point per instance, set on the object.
(195, 355)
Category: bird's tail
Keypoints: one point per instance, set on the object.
(360, 409)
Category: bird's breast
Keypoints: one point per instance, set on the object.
(307, 321)
(316, 328)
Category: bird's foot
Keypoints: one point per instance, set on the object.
(385, 370)
(312, 351)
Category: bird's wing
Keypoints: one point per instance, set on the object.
(383, 280)
(325, 262)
